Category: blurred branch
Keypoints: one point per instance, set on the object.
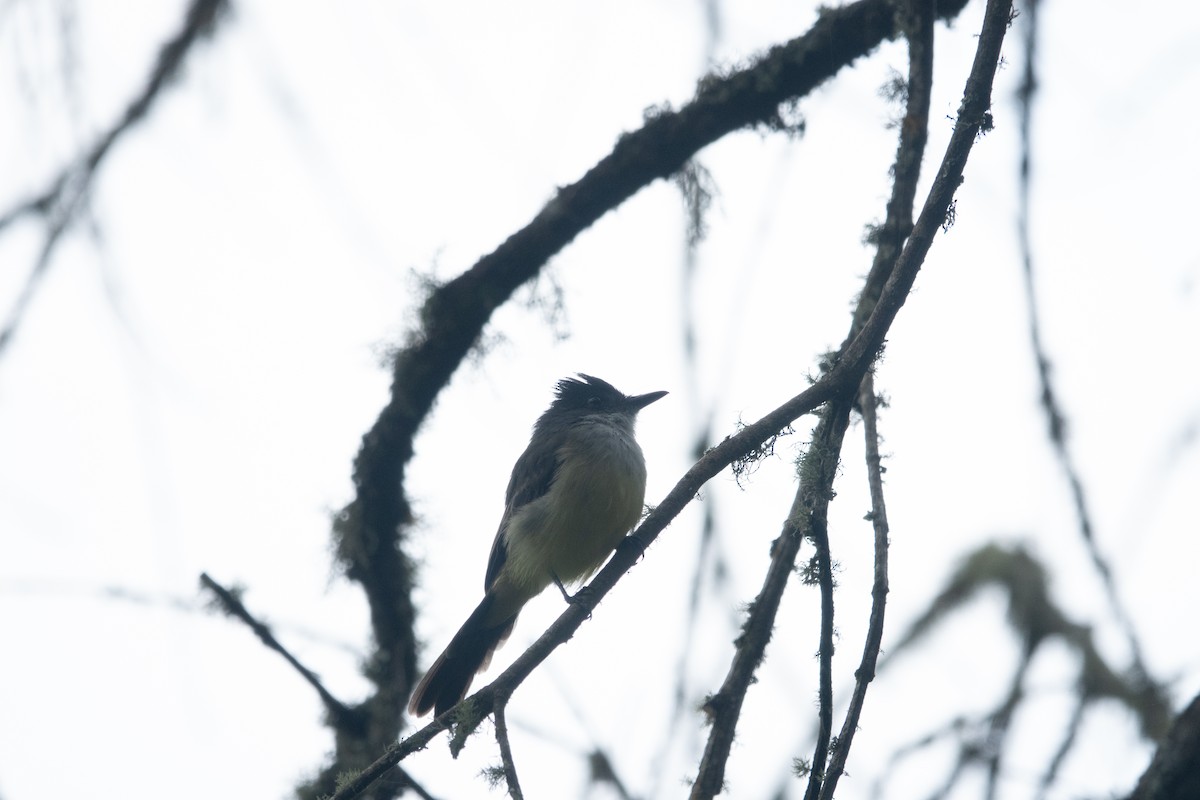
(61, 203)
(697, 189)
(1051, 406)
(601, 772)
(696, 186)
(184, 604)
(1069, 737)
(1036, 620)
(342, 717)
(339, 713)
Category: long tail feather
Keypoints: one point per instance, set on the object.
(469, 652)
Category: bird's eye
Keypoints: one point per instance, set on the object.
(593, 402)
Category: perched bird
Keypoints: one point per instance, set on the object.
(574, 494)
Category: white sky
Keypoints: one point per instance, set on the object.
(188, 391)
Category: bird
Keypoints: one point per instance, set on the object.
(574, 493)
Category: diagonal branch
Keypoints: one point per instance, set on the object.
(914, 133)
(1051, 406)
(234, 607)
(61, 203)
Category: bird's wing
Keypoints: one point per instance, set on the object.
(531, 478)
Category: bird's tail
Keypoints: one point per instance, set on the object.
(468, 653)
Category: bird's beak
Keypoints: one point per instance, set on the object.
(640, 401)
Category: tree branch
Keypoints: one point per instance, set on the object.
(233, 606)
(1174, 774)
(1055, 416)
(1036, 620)
(61, 202)
(1056, 419)
(917, 19)
(816, 491)
(506, 756)
(879, 591)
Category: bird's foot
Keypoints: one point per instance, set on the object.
(572, 599)
(566, 595)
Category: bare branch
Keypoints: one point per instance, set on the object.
(233, 606)
(506, 756)
(603, 772)
(816, 490)
(1036, 620)
(879, 590)
(914, 132)
(61, 203)
(1070, 736)
(972, 114)
(1051, 406)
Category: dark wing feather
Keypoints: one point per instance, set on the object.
(531, 478)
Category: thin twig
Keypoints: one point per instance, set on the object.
(1070, 735)
(602, 771)
(918, 19)
(865, 672)
(1055, 416)
(235, 608)
(506, 756)
(827, 445)
(66, 196)
(999, 727)
(879, 590)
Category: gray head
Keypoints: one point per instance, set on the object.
(588, 396)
